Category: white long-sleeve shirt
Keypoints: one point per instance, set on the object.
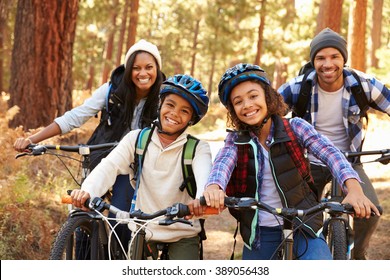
(160, 179)
(92, 106)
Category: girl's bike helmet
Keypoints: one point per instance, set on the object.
(190, 89)
(240, 73)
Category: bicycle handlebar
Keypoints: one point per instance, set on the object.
(384, 155)
(37, 149)
(177, 210)
(251, 203)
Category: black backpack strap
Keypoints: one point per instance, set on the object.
(300, 107)
(359, 95)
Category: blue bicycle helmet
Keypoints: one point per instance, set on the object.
(190, 89)
(240, 73)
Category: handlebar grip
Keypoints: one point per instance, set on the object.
(66, 199)
(227, 201)
(349, 207)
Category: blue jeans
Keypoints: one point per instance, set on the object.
(305, 247)
(122, 194)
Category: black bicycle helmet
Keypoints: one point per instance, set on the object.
(190, 89)
(238, 74)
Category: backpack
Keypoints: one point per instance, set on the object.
(189, 182)
(188, 154)
(112, 125)
(303, 99)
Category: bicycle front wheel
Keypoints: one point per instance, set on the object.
(337, 239)
(78, 239)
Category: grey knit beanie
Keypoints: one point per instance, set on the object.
(327, 38)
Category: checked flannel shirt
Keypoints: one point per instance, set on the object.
(316, 144)
(377, 94)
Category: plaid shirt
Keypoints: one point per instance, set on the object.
(307, 136)
(377, 94)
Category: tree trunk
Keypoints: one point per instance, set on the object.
(133, 23)
(329, 15)
(5, 6)
(41, 68)
(122, 33)
(376, 30)
(357, 39)
(91, 72)
(194, 46)
(261, 31)
(108, 63)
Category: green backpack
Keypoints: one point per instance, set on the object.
(189, 182)
(188, 154)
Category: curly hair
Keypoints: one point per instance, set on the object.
(275, 105)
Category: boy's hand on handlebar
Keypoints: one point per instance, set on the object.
(361, 204)
(79, 197)
(195, 209)
(215, 196)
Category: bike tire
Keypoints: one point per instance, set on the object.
(337, 239)
(67, 247)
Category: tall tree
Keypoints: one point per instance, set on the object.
(133, 23)
(376, 30)
(108, 64)
(357, 35)
(329, 15)
(5, 6)
(262, 14)
(122, 33)
(41, 68)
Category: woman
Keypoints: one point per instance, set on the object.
(133, 99)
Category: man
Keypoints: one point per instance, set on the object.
(335, 113)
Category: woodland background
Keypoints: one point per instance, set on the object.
(53, 54)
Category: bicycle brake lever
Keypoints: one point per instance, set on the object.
(384, 159)
(21, 155)
(168, 221)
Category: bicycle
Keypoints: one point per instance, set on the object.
(79, 226)
(138, 247)
(338, 229)
(288, 214)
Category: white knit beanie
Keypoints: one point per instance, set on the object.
(143, 45)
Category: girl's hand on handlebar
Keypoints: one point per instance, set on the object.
(361, 204)
(215, 196)
(79, 197)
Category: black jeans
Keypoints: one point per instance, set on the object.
(364, 228)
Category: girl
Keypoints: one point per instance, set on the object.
(268, 169)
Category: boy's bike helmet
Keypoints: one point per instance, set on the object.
(240, 73)
(190, 89)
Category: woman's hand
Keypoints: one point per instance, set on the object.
(21, 144)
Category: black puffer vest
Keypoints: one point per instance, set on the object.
(113, 125)
(293, 190)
